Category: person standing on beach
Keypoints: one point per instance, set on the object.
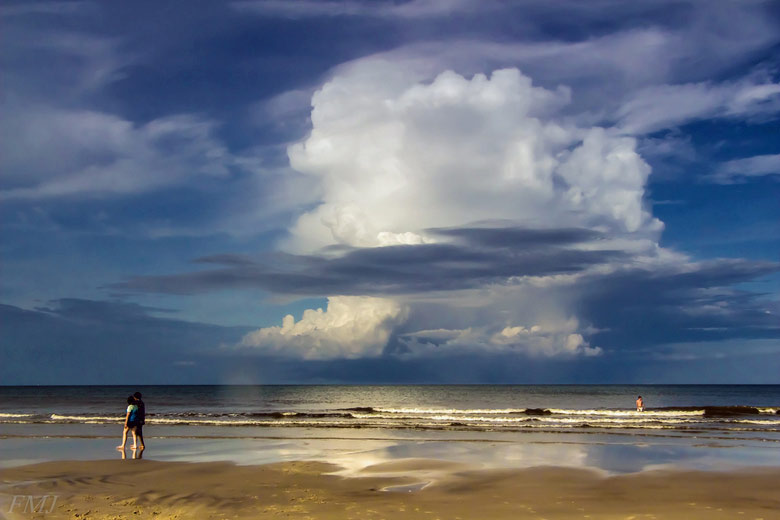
(131, 423)
(640, 404)
(139, 430)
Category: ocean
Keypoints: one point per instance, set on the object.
(747, 412)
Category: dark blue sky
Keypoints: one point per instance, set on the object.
(390, 191)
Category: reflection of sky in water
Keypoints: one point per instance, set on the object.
(613, 458)
(356, 454)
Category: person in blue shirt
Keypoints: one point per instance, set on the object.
(131, 423)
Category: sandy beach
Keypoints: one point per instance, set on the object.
(412, 488)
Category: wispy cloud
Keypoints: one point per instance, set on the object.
(410, 9)
(85, 153)
(669, 106)
(47, 8)
(740, 170)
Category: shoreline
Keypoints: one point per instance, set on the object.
(363, 448)
(404, 488)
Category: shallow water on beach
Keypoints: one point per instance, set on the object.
(611, 454)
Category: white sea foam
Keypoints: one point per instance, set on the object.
(755, 421)
(630, 413)
(462, 418)
(268, 422)
(450, 411)
(506, 419)
(608, 420)
(547, 419)
(443, 417)
(87, 418)
(559, 411)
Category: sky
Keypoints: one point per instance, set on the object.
(409, 191)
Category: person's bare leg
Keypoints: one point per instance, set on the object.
(135, 443)
(124, 440)
(140, 435)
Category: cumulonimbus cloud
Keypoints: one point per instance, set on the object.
(406, 166)
(398, 157)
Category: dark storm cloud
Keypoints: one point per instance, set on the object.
(698, 302)
(98, 342)
(226, 259)
(520, 237)
(480, 256)
(632, 307)
(74, 341)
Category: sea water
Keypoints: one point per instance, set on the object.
(751, 409)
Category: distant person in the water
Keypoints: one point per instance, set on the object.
(640, 404)
(131, 423)
(139, 429)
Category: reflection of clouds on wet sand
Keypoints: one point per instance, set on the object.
(433, 460)
(612, 458)
(709, 458)
(411, 474)
(493, 454)
(357, 456)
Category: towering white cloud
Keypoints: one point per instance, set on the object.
(350, 327)
(396, 155)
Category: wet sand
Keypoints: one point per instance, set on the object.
(401, 489)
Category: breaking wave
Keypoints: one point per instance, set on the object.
(728, 420)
